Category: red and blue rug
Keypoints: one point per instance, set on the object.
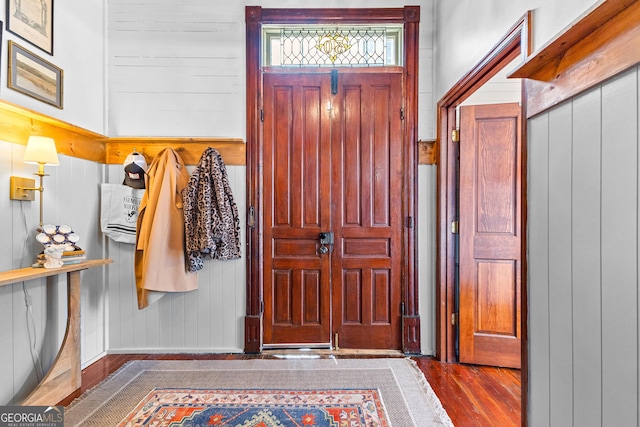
(349, 392)
(259, 408)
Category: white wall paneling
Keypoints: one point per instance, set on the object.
(181, 71)
(70, 198)
(208, 319)
(583, 257)
(427, 256)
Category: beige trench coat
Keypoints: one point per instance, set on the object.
(160, 261)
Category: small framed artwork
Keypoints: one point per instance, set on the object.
(32, 20)
(33, 76)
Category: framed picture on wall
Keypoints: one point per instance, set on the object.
(33, 76)
(32, 20)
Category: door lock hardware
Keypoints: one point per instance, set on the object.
(326, 239)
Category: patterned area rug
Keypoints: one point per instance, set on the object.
(259, 408)
(262, 393)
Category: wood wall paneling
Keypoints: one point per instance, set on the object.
(586, 220)
(583, 257)
(538, 244)
(560, 283)
(584, 271)
(620, 121)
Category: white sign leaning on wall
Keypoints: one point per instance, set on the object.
(119, 211)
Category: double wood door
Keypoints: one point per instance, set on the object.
(332, 168)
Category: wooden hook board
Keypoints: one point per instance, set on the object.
(232, 150)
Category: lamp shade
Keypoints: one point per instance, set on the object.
(41, 150)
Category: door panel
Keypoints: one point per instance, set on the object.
(490, 234)
(333, 163)
(296, 196)
(367, 159)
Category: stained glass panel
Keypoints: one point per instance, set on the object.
(332, 46)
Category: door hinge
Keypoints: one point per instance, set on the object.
(409, 222)
(262, 115)
(454, 227)
(454, 318)
(262, 307)
(455, 135)
(402, 114)
(251, 217)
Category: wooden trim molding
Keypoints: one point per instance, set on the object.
(253, 317)
(600, 44)
(18, 123)
(232, 150)
(511, 46)
(255, 17)
(427, 152)
(410, 288)
(516, 42)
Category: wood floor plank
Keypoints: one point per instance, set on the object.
(477, 396)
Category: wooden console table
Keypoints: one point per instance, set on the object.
(64, 376)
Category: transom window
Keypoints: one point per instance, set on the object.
(332, 46)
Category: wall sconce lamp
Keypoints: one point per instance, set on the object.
(40, 150)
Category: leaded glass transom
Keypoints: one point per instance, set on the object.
(318, 46)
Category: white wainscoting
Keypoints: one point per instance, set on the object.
(70, 197)
(209, 319)
(583, 258)
(427, 210)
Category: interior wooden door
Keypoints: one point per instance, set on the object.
(490, 234)
(297, 207)
(332, 163)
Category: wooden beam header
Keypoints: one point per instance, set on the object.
(600, 44)
(190, 150)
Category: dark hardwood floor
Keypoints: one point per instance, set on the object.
(471, 395)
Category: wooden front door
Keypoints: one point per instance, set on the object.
(332, 163)
(490, 234)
